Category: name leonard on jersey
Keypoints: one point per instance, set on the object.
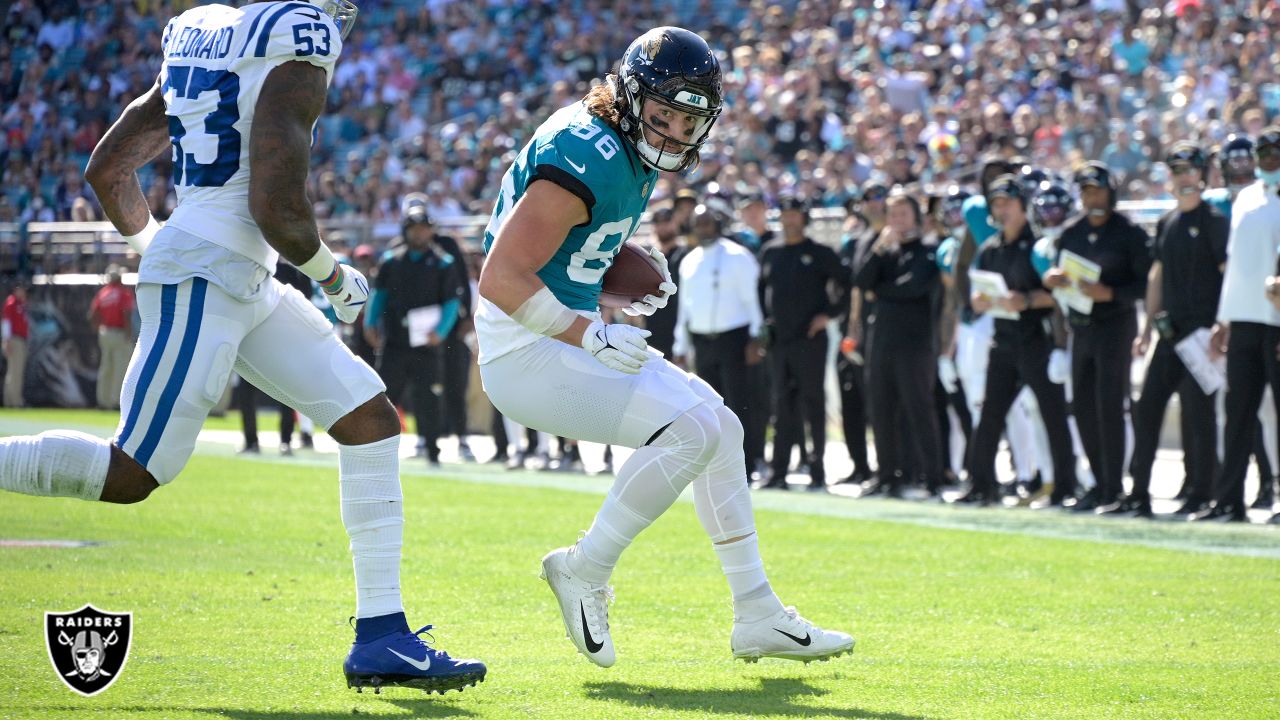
(193, 42)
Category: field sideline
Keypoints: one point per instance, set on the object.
(240, 584)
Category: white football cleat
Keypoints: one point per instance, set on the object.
(584, 607)
(789, 637)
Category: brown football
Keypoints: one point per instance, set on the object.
(632, 276)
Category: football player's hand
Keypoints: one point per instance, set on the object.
(618, 347)
(652, 303)
(351, 295)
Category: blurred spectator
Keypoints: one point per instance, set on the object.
(445, 92)
(15, 330)
(111, 316)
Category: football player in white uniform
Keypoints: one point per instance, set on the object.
(236, 101)
(548, 361)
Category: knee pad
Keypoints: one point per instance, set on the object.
(721, 497)
(694, 436)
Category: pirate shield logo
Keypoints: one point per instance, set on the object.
(88, 647)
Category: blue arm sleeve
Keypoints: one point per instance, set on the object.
(373, 311)
(448, 317)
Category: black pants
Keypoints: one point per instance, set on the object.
(1013, 364)
(797, 372)
(957, 402)
(1100, 358)
(418, 368)
(900, 377)
(1165, 375)
(853, 412)
(721, 360)
(1251, 364)
(457, 377)
(247, 396)
(499, 430)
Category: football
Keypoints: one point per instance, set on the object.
(632, 276)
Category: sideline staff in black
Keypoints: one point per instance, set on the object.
(1182, 297)
(902, 364)
(866, 217)
(802, 286)
(1102, 344)
(1020, 350)
(419, 274)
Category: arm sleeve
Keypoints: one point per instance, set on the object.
(448, 317)
(6, 329)
(750, 280)
(867, 276)
(1220, 231)
(1140, 266)
(373, 311)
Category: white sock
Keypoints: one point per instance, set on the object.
(56, 463)
(753, 598)
(373, 513)
(648, 483)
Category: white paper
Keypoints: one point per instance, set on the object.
(992, 285)
(1076, 269)
(422, 322)
(1210, 375)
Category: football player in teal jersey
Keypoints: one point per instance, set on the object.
(548, 359)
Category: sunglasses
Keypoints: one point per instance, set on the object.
(1182, 169)
(1269, 152)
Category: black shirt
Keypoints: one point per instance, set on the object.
(1123, 252)
(413, 280)
(797, 283)
(1191, 248)
(907, 285)
(1013, 261)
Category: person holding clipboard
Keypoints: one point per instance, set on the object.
(1103, 259)
(1006, 284)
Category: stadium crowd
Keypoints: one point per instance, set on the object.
(436, 96)
(902, 114)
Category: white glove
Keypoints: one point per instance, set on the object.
(652, 303)
(1059, 367)
(352, 293)
(618, 347)
(947, 374)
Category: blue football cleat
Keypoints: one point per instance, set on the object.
(404, 659)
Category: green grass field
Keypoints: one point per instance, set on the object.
(240, 584)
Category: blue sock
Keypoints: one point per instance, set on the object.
(372, 628)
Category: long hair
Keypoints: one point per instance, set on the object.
(602, 102)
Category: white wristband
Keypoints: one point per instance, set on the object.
(321, 265)
(144, 237)
(544, 314)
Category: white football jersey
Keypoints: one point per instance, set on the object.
(216, 59)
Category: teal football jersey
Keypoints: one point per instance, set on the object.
(582, 154)
(978, 219)
(1219, 198)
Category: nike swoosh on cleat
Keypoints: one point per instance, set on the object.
(799, 641)
(592, 645)
(580, 168)
(423, 664)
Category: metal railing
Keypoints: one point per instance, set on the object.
(87, 248)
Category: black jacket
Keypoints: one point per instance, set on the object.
(907, 284)
(1123, 251)
(797, 283)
